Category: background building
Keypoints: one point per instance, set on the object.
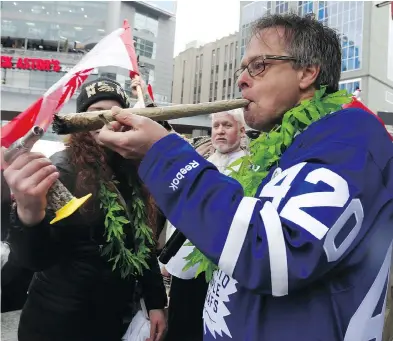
(58, 33)
(205, 73)
(365, 32)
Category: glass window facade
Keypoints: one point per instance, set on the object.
(347, 18)
(145, 47)
(323, 12)
(351, 85)
(146, 24)
(305, 7)
(82, 21)
(282, 6)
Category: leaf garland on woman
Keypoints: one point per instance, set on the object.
(130, 261)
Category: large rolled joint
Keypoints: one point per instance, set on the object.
(64, 124)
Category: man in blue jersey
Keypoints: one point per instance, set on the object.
(302, 232)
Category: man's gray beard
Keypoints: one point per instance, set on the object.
(222, 160)
(217, 148)
(239, 141)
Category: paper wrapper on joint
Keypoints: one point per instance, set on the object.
(23, 145)
(61, 201)
(88, 121)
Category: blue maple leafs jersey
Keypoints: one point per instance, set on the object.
(308, 258)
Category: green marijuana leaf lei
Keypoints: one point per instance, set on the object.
(129, 261)
(267, 150)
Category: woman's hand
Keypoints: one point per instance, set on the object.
(29, 177)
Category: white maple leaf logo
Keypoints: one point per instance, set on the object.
(214, 312)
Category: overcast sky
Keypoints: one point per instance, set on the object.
(205, 21)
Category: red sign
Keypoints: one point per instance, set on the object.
(31, 64)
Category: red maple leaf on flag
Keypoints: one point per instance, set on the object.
(72, 85)
(37, 113)
(118, 50)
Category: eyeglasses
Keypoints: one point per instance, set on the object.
(258, 64)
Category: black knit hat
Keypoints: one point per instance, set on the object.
(98, 90)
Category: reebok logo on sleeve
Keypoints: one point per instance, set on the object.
(181, 174)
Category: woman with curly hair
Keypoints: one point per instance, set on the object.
(87, 266)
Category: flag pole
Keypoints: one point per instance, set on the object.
(134, 72)
(139, 91)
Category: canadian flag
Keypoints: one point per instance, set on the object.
(116, 49)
